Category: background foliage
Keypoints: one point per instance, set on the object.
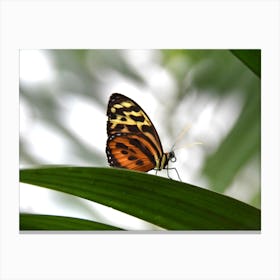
(216, 91)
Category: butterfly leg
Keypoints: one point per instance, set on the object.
(176, 172)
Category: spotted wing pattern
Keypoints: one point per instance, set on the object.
(133, 142)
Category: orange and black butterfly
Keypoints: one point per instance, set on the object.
(133, 141)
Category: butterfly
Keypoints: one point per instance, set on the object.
(133, 142)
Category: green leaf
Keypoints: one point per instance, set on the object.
(240, 146)
(167, 203)
(251, 58)
(47, 222)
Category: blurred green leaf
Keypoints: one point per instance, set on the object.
(251, 58)
(239, 146)
(256, 200)
(206, 71)
(167, 203)
(47, 222)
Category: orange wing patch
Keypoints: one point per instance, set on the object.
(130, 151)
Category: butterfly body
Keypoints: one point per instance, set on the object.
(133, 142)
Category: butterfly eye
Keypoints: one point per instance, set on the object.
(172, 157)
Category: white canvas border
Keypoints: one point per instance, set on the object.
(140, 24)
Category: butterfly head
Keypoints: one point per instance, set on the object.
(169, 157)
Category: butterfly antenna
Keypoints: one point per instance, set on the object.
(180, 135)
(189, 145)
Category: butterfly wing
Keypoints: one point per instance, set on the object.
(129, 151)
(128, 124)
